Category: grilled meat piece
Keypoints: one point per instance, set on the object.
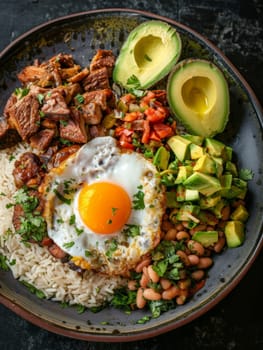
(103, 58)
(97, 80)
(24, 116)
(27, 170)
(101, 97)
(55, 106)
(42, 139)
(91, 113)
(8, 136)
(63, 154)
(74, 129)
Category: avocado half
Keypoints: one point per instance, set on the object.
(148, 54)
(198, 96)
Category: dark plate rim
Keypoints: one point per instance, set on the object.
(27, 315)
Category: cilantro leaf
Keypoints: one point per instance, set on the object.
(246, 174)
(138, 201)
(134, 81)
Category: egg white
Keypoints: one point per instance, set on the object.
(102, 160)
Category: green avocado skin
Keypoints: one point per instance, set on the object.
(147, 55)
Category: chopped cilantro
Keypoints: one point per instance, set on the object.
(11, 157)
(63, 122)
(147, 58)
(123, 299)
(144, 319)
(34, 290)
(131, 230)
(88, 253)
(3, 263)
(72, 219)
(138, 201)
(114, 210)
(79, 231)
(112, 246)
(68, 244)
(21, 92)
(80, 308)
(61, 197)
(80, 98)
(40, 98)
(246, 174)
(134, 81)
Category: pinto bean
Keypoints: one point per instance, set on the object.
(220, 244)
(170, 293)
(154, 277)
(204, 263)
(165, 283)
(151, 294)
(144, 262)
(180, 300)
(132, 285)
(201, 227)
(194, 259)
(167, 225)
(140, 301)
(145, 279)
(225, 213)
(196, 247)
(198, 275)
(184, 284)
(170, 234)
(179, 227)
(183, 257)
(182, 235)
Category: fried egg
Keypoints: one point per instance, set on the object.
(104, 206)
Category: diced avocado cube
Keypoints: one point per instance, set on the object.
(226, 181)
(234, 192)
(180, 146)
(191, 195)
(206, 238)
(205, 184)
(219, 167)
(196, 151)
(231, 168)
(161, 158)
(197, 140)
(184, 171)
(205, 164)
(214, 147)
(235, 233)
(180, 193)
(217, 209)
(229, 153)
(209, 201)
(240, 214)
(171, 199)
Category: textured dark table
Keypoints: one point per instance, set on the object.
(236, 28)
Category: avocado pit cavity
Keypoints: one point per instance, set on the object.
(145, 51)
(199, 94)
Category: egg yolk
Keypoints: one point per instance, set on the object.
(104, 207)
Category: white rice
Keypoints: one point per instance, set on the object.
(34, 264)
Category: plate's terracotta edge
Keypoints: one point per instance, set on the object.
(122, 337)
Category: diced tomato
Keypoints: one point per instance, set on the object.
(130, 117)
(146, 132)
(155, 115)
(119, 130)
(146, 99)
(153, 136)
(162, 130)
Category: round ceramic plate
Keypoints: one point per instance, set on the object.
(81, 34)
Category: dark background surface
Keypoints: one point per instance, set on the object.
(236, 28)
